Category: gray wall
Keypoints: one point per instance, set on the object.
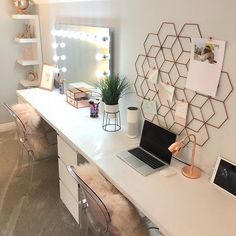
(132, 20)
(11, 72)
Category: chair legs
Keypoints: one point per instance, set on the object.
(31, 170)
(83, 221)
(20, 160)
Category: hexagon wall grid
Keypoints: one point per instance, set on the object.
(169, 52)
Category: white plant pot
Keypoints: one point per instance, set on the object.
(111, 108)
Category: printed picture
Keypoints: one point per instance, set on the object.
(206, 52)
(206, 62)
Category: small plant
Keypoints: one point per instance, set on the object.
(112, 88)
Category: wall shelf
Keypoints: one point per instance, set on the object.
(26, 40)
(33, 47)
(27, 62)
(27, 83)
(24, 17)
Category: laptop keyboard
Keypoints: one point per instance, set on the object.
(146, 158)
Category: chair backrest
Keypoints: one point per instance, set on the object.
(21, 129)
(96, 210)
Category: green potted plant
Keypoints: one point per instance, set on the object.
(112, 88)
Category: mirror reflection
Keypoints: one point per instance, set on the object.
(82, 53)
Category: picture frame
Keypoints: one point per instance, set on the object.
(224, 176)
(47, 79)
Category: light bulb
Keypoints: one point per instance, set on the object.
(83, 36)
(53, 32)
(76, 35)
(100, 57)
(63, 57)
(55, 58)
(55, 45)
(62, 45)
(63, 69)
(63, 33)
(57, 70)
(99, 74)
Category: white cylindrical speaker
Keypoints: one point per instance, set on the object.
(132, 122)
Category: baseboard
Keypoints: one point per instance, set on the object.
(7, 126)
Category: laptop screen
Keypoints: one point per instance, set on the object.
(156, 140)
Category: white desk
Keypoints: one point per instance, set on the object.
(178, 205)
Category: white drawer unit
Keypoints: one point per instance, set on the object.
(70, 202)
(67, 154)
(67, 180)
(69, 189)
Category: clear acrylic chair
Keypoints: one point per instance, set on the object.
(94, 213)
(92, 210)
(24, 145)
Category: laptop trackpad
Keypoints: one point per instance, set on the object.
(133, 161)
(145, 170)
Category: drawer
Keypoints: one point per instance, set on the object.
(66, 153)
(71, 204)
(68, 180)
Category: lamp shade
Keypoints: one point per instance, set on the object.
(191, 171)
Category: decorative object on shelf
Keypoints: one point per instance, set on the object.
(94, 107)
(133, 122)
(47, 78)
(28, 33)
(168, 51)
(32, 75)
(78, 97)
(21, 5)
(191, 171)
(112, 88)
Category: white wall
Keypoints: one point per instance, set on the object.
(132, 20)
(10, 71)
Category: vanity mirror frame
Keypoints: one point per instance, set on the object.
(102, 37)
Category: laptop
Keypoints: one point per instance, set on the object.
(152, 154)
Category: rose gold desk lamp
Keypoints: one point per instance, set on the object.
(191, 171)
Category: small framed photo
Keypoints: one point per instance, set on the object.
(47, 78)
(224, 176)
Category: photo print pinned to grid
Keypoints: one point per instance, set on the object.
(206, 52)
(149, 107)
(205, 68)
(166, 91)
(153, 76)
(181, 111)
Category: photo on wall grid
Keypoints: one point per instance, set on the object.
(205, 66)
(206, 52)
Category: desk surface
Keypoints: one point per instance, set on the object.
(178, 205)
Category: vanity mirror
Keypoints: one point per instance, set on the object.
(82, 53)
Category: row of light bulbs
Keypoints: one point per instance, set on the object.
(80, 35)
(56, 45)
(100, 74)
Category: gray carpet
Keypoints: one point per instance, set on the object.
(39, 213)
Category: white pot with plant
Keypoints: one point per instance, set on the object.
(111, 89)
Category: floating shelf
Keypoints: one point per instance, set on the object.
(24, 17)
(27, 83)
(26, 40)
(28, 62)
